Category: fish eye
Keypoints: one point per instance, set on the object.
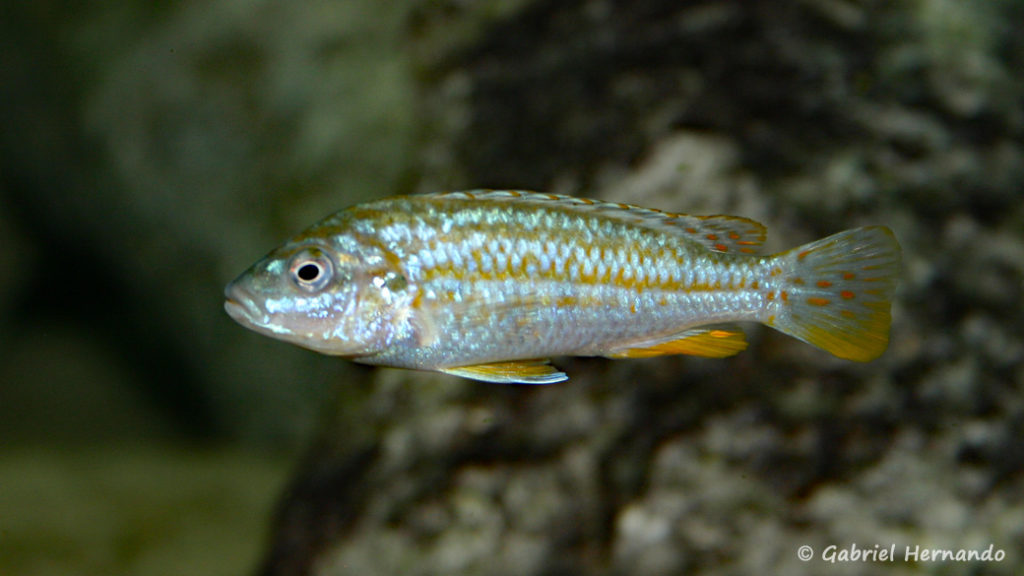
(311, 270)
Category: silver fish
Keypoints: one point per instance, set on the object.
(490, 285)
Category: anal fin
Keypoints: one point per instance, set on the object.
(538, 371)
(707, 342)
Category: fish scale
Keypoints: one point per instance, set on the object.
(545, 240)
(559, 257)
(490, 284)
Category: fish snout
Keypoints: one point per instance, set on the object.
(241, 306)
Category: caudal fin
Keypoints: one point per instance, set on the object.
(837, 292)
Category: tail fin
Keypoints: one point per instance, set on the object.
(837, 292)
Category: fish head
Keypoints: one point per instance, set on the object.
(317, 296)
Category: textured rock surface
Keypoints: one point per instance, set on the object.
(151, 152)
(811, 117)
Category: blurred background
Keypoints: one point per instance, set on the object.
(153, 151)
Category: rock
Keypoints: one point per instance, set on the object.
(811, 118)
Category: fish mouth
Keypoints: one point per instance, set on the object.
(239, 305)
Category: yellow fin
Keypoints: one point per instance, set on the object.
(707, 342)
(537, 371)
(839, 291)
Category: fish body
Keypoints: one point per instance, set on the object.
(490, 285)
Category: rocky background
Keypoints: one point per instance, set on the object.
(150, 152)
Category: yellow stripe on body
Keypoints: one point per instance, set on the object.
(471, 241)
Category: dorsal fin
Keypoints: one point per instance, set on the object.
(727, 233)
(718, 233)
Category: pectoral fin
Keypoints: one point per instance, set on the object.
(538, 371)
(707, 342)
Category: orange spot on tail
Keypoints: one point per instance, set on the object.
(846, 294)
(721, 247)
(849, 275)
(824, 283)
(815, 301)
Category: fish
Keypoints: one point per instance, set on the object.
(491, 284)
